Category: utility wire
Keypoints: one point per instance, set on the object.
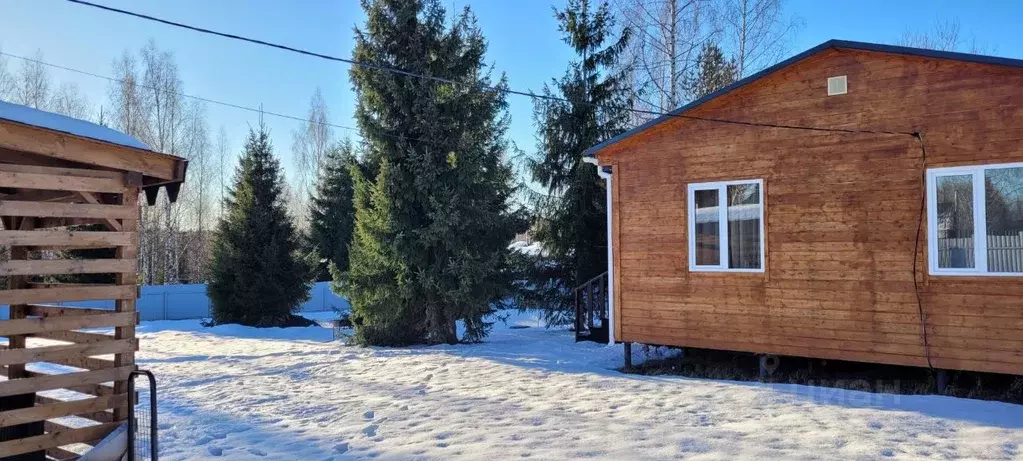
(916, 249)
(259, 110)
(501, 89)
(199, 98)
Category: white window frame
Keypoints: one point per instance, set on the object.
(979, 220)
(722, 188)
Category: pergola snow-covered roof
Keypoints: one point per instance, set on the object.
(56, 122)
(36, 137)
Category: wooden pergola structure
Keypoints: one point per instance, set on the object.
(57, 172)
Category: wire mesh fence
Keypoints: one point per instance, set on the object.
(142, 436)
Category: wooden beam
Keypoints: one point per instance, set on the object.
(78, 337)
(68, 293)
(81, 361)
(32, 195)
(60, 171)
(60, 454)
(100, 416)
(39, 310)
(45, 382)
(112, 222)
(68, 266)
(26, 138)
(49, 223)
(88, 389)
(64, 183)
(93, 209)
(56, 439)
(46, 353)
(61, 409)
(79, 239)
(37, 325)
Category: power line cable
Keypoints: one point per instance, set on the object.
(501, 89)
(259, 110)
(185, 95)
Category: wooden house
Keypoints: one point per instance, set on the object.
(859, 202)
(57, 172)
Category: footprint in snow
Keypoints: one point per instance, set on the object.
(368, 414)
(215, 451)
(875, 425)
(341, 448)
(257, 452)
(371, 430)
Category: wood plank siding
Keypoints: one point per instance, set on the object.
(842, 212)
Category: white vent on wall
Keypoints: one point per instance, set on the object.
(837, 85)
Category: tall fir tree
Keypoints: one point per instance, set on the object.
(257, 276)
(433, 222)
(331, 213)
(713, 71)
(570, 216)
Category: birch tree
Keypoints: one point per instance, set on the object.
(223, 151)
(32, 87)
(68, 100)
(197, 147)
(6, 80)
(945, 35)
(310, 143)
(147, 102)
(667, 36)
(161, 99)
(756, 32)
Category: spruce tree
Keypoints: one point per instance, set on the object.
(257, 276)
(570, 217)
(433, 222)
(331, 215)
(713, 71)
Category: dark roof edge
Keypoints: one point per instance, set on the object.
(864, 46)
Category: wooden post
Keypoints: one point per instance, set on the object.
(130, 198)
(628, 356)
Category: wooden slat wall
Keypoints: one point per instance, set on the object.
(34, 327)
(842, 212)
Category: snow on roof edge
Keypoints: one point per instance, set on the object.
(73, 126)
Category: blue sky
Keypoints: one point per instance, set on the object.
(523, 36)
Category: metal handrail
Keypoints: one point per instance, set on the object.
(586, 306)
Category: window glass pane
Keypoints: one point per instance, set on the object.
(1003, 190)
(708, 244)
(744, 226)
(955, 221)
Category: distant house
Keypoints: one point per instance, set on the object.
(857, 201)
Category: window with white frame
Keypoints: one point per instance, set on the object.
(726, 226)
(975, 220)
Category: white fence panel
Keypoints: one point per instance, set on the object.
(1004, 252)
(181, 302)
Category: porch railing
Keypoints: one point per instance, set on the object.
(591, 310)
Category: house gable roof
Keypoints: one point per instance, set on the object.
(830, 44)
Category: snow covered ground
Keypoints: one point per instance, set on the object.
(244, 393)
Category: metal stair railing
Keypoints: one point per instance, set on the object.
(591, 302)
